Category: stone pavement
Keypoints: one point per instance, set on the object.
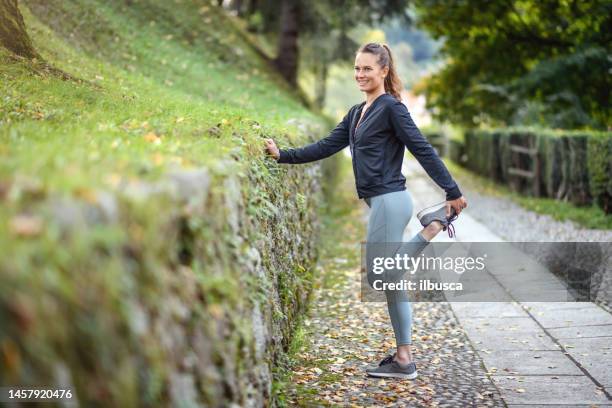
(537, 353)
(342, 335)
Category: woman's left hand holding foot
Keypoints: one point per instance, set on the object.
(458, 205)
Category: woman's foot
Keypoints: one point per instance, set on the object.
(394, 357)
(437, 213)
(389, 367)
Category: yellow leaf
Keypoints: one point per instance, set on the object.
(152, 138)
(113, 179)
(26, 225)
(216, 311)
(86, 194)
(157, 159)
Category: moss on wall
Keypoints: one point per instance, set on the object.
(182, 291)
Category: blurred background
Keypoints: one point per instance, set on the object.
(505, 63)
(517, 91)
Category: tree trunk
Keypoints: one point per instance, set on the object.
(287, 59)
(237, 6)
(321, 84)
(253, 7)
(13, 34)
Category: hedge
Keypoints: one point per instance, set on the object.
(456, 151)
(599, 163)
(573, 166)
(437, 139)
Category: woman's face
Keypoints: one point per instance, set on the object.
(368, 73)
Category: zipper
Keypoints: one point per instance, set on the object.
(367, 112)
(360, 123)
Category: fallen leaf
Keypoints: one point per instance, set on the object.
(151, 137)
(26, 225)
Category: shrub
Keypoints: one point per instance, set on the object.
(599, 154)
(573, 166)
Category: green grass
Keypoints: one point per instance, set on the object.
(152, 99)
(152, 95)
(590, 217)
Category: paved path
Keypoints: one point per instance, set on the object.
(537, 353)
(343, 335)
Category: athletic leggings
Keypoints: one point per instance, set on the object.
(389, 216)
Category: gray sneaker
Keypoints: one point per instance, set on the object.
(390, 368)
(437, 212)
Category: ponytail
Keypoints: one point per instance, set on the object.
(393, 84)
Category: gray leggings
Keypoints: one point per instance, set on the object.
(389, 216)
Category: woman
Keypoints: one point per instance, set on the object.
(377, 132)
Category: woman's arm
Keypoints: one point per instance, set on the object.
(337, 140)
(411, 137)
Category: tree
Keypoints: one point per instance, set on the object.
(326, 43)
(13, 34)
(287, 56)
(505, 55)
(319, 22)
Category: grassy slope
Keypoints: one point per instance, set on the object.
(146, 76)
(182, 90)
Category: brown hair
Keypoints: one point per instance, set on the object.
(393, 84)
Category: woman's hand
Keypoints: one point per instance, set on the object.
(272, 149)
(458, 204)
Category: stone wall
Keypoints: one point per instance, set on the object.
(181, 291)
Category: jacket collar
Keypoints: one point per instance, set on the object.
(353, 131)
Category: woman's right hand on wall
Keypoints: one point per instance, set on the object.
(272, 149)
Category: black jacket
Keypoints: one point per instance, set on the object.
(377, 148)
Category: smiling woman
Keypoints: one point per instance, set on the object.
(377, 132)
(373, 68)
